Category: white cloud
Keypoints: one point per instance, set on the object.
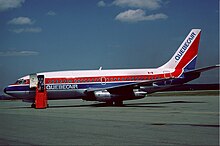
(29, 30)
(21, 21)
(18, 53)
(33, 29)
(138, 15)
(10, 4)
(51, 13)
(101, 4)
(148, 4)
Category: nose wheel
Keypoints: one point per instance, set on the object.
(33, 105)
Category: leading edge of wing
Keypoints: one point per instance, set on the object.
(128, 85)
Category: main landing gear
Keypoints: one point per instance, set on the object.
(118, 103)
(115, 103)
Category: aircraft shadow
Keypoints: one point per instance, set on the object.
(165, 102)
(102, 105)
(138, 105)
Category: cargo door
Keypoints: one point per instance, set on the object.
(167, 74)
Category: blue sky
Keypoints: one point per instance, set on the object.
(50, 35)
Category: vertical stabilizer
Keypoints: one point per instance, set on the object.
(185, 56)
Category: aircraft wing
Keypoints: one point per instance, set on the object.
(199, 70)
(126, 87)
(160, 88)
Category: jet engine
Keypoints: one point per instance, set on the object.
(105, 96)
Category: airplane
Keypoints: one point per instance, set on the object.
(115, 86)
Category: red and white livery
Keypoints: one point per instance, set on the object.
(115, 86)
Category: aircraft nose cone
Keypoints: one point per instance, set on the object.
(5, 90)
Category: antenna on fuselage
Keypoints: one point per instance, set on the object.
(100, 68)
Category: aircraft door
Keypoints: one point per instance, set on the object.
(167, 74)
(33, 81)
(103, 80)
(40, 83)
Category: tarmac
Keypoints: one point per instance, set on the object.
(154, 120)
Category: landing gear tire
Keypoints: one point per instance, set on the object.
(118, 103)
(110, 103)
(33, 105)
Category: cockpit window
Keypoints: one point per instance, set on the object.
(21, 81)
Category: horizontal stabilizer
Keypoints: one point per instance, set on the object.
(199, 70)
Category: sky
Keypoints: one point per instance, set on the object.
(52, 35)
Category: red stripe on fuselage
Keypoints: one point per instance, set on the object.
(102, 79)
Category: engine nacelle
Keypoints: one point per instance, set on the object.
(140, 94)
(103, 96)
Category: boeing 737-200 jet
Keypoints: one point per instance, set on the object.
(115, 86)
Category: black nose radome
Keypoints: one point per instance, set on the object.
(5, 90)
